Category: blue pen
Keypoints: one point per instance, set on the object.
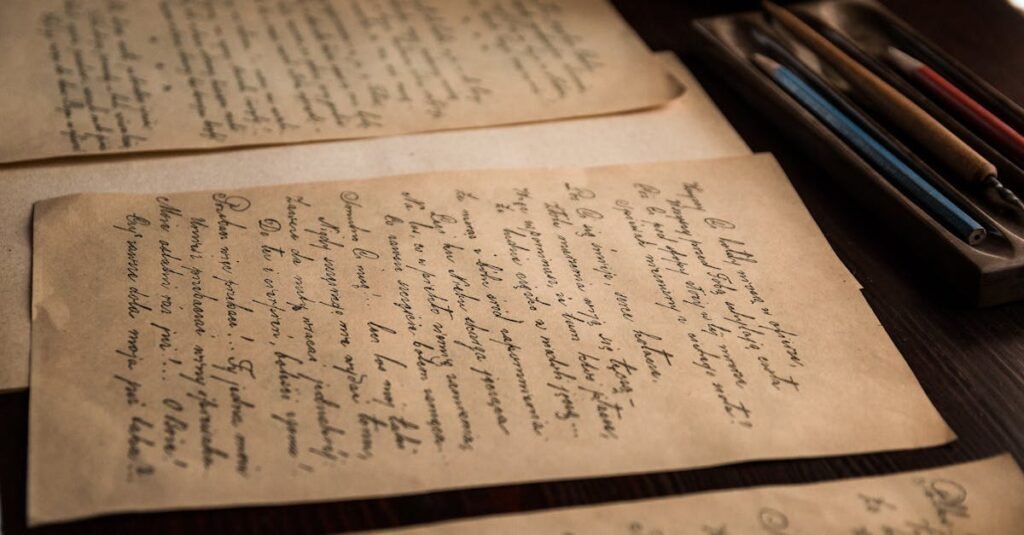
(912, 184)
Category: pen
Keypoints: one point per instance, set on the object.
(968, 108)
(906, 179)
(775, 50)
(917, 123)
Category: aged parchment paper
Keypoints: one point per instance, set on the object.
(107, 76)
(397, 335)
(690, 127)
(978, 497)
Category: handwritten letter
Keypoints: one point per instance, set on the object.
(107, 76)
(688, 127)
(347, 339)
(979, 497)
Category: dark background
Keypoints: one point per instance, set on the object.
(970, 362)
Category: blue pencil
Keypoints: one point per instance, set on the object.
(912, 184)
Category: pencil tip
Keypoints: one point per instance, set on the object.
(901, 59)
(976, 236)
(763, 61)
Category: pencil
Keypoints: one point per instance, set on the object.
(960, 158)
(923, 193)
(774, 49)
(937, 61)
(950, 95)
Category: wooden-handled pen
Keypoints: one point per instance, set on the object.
(896, 107)
(913, 185)
(968, 108)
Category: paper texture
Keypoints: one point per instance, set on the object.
(978, 497)
(405, 334)
(690, 127)
(107, 76)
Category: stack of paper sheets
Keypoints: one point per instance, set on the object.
(274, 324)
(976, 497)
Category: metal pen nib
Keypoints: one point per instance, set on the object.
(1005, 194)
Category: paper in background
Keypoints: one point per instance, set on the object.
(689, 127)
(97, 77)
(977, 497)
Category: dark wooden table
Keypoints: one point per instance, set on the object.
(970, 362)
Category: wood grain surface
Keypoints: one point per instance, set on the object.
(970, 362)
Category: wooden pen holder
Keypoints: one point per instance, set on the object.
(987, 274)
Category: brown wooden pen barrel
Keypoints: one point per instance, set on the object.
(946, 147)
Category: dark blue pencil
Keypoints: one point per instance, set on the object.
(912, 184)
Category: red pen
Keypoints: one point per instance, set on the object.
(966, 107)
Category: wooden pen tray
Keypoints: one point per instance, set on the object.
(986, 274)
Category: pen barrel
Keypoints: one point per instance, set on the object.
(896, 107)
(924, 194)
(971, 110)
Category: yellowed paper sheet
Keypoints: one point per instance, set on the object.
(107, 76)
(978, 497)
(405, 334)
(690, 127)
